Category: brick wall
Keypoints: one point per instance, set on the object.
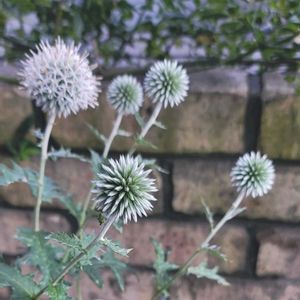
(227, 113)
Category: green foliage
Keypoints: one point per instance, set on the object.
(225, 32)
(23, 287)
(58, 292)
(115, 247)
(202, 271)
(18, 174)
(40, 254)
(69, 241)
(162, 267)
(65, 153)
(96, 161)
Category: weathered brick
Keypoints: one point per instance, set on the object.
(279, 252)
(209, 180)
(280, 122)
(11, 219)
(14, 107)
(72, 175)
(239, 289)
(4, 293)
(210, 120)
(182, 239)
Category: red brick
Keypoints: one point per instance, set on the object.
(11, 219)
(182, 238)
(279, 252)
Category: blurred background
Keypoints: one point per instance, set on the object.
(242, 58)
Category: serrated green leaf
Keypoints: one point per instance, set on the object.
(71, 206)
(96, 161)
(18, 174)
(93, 271)
(144, 142)
(162, 267)
(66, 153)
(209, 215)
(40, 254)
(67, 240)
(108, 260)
(97, 133)
(202, 271)
(58, 292)
(115, 247)
(215, 251)
(23, 287)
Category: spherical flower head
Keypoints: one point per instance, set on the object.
(125, 94)
(123, 189)
(59, 79)
(166, 82)
(253, 174)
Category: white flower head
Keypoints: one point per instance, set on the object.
(123, 188)
(166, 82)
(125, 94)
(59, 79)
(253, 174)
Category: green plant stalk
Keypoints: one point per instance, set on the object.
(76, 259)
(147, 126)
(112, 135)
(182, 270)
(44, 156)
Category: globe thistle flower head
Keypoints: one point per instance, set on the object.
(59, 79)
(123, 189)
(253, 174)
(166, 82)
(125, 94)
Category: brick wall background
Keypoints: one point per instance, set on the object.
(227, 113)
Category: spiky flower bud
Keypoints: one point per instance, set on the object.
(253, 174)
(166, 82)
(125, 94)
(123, 188)
(59, 79)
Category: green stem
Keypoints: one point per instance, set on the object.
(147, 126)
(112, 135)
(44, 156)
(182, 270)
(76, 259)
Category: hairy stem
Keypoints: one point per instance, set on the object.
(112, 135)
(44, 155)
(147, 126)
(182, 270)
(76, 259)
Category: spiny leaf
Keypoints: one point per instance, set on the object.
(96, 161)
(93, 271)
(162, 267)
(40, 254)
(18, 174)
(23, 287)
(68, 240)
(209, 215)
(203, 271)
(160, 125)
(115, 247)
(58, 292)
(108, 260)
(215, 251)
(66, 153)
(97, 134)
(144, 142)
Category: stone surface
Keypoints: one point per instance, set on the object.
(279, 253)
(210, 120)
(11, 219)
(182, 239)
(280, 122)
(209, 180)
(14, 107)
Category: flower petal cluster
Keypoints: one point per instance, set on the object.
(166, 82)
(123, 188)
(59, 79)
(253, 174)
(125, 94)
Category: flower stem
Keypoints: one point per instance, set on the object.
(147, 126)
(44, 155)
(76, 259)
(112, 135)
(233, 210)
